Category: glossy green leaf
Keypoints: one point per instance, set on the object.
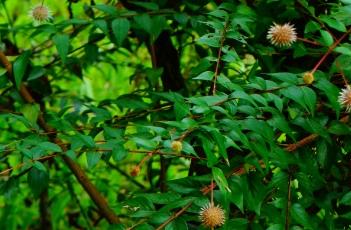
(327, 39)
(120, 28)
(20, 67)
(37, 180)
(92, 158)
(31, 112)
(299, 214)
(49, 146)
(62, 44)
(346, 199)
(220, 179)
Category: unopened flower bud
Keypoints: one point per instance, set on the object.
(177, 146)
(135, 171)
(308, 78)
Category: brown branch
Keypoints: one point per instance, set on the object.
(330, 49)
(41, 159)
(82, 178)
(309, 41)
(175, 216)
(45, 215)
(309, 139)
(302, 142)
(219, 56)
(288, 205)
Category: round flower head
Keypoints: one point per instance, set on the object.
(282, 35)
(345, 98)
(40, 14)
(212, 216)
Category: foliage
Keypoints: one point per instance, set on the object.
(137, 114)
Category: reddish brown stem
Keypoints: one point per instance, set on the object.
(330, 49)
(309, 41)
(175, 216)
(219, 56)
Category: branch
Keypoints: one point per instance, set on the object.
(219, 56)
(175, 216)
(330, 49)
(288, 205)
(75, 168)
(309, 139)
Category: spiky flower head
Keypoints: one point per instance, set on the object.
(177, 146)
(345, 98)
(40, 14)
(282, 35)
(212, 216)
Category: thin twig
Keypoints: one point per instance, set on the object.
(288, 205)
(309, 139)
(175, 216)
(309, 41)
(219, 56)
(330, 49)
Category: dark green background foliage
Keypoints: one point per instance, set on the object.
(117, 81)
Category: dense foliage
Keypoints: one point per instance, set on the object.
(146, 114)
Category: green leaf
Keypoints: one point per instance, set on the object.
(181, 109)
(220, 179)
(51, 147)
(285, 77)
(109, 9)
(331, 91)
(220, 141)
(36, 72)
(259, 127)
(102, 25)
(299, 214)
(20, 67)
(158, 25)
(71, 154)
(146, 5)
(87, 140)
(276, 227)
(346, 199)
(206, 76)
(339, 128)
(310, 98)
(120, 28)
(144, 22)
(311, 27)
(92, 158)
(38, 165)
(37, 180)
(62, 43)
(207, 146)
(212, 40)
(237, 196)
(237, 224)
(31, 112)
(327, 39)
(178, 223)
(295, 94)
(145, 143)
(343, 50)
(119, 152)
(333, 23)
